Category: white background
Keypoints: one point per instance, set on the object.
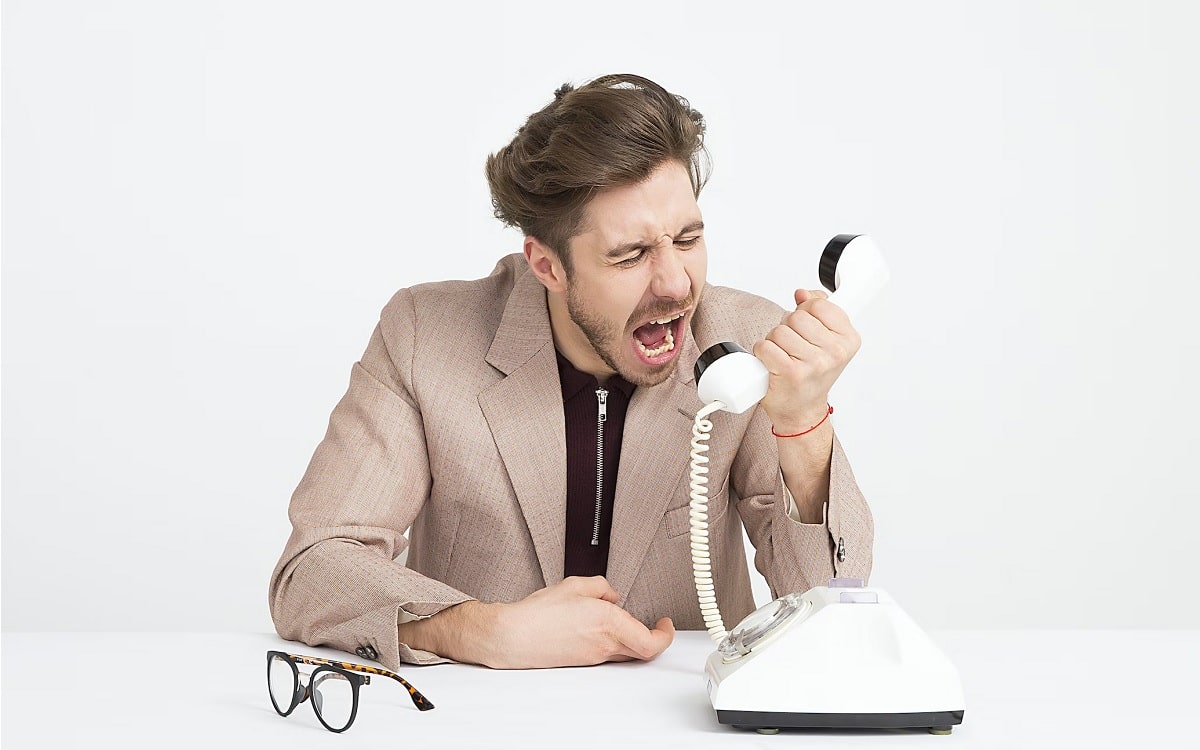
(205, 205)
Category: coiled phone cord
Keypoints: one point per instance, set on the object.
(701, 562)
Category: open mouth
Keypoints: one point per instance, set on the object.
(655, 341)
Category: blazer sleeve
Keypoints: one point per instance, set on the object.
(338, 582)
(795, 556)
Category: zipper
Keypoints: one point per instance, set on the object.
(601, 418)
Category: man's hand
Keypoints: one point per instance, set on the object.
(573, 623)
(805, 354)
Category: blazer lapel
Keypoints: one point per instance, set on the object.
(525, 415)
(655, 453)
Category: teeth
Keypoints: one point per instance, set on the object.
(664, 321)
(658, 351)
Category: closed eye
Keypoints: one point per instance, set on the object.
(632, 260)
(689, 243)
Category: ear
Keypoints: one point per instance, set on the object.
(545, 265)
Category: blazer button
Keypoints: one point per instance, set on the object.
(370, 652)
(361, 651)
(841, 552)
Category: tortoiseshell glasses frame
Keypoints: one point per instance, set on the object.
(327, 669)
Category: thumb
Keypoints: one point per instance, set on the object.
(804, 295)
(596, 587)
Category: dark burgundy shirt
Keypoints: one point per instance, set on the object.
(581, 407)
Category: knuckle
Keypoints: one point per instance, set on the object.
(798, 317)
(767, 348)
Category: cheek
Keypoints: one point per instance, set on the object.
(615, 304)
(630, 296)
(626, 308)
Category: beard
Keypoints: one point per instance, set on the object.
(608, 338)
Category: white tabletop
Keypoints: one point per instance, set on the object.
(1025, 689)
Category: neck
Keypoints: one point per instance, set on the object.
(571, 341)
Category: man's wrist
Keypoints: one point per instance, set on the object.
(804, 463)
(801, 422)
(461, 632)
(810, 512)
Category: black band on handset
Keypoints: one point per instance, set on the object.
(712, 354)
(827, 269)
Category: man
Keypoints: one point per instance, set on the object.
(533, 427)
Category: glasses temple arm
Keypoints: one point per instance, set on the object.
(420, 701)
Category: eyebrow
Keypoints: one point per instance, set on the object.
(627, 247)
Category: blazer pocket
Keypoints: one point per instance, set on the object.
(677, 521)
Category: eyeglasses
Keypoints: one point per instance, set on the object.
(333, 687)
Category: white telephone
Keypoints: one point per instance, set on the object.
(842, 655)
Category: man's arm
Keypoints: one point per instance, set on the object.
(337, 582)
(574, 623)
(794, 555)
(829, 530)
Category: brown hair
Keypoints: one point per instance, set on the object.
(613, 131)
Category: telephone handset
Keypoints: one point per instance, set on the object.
(852, 269)
(841, 655)
(730, 378)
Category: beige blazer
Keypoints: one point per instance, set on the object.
(453, 425)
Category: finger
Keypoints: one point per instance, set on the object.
(663, 633)
(636, 638)
(776, 359)
(831, 316)
(799, 330)
(595, 587)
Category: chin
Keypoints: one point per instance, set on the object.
(647, 376)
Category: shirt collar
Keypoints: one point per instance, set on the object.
(574, 380)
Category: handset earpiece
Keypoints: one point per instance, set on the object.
(853, 269)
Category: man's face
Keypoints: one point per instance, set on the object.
(637, 272)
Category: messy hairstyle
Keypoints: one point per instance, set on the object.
(614, 131)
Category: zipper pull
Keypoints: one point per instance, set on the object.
(602, 401)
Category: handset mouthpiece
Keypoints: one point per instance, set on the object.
(730, 374)
(853, 269)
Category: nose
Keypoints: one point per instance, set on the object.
(671, 280)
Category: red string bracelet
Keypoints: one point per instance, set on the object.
(810, 429)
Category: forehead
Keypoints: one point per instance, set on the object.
(662, 204)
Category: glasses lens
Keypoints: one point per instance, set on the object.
(333, 695)
(281, 679)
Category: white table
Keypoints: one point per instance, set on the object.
(1025, 689)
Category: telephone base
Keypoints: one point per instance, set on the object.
(842, 656)
(781, 720)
